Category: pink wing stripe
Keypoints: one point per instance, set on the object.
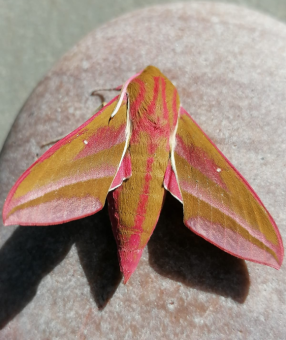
(71, 208)
(171, 183)
(104, 138)
(227, 239)
(94, 173)
(124, 172)
(200, 160)
(203, 195)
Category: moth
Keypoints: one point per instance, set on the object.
(139, 145)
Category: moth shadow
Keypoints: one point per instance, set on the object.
(25, 259)
(33, 252)
(97, 252)
(179, 254)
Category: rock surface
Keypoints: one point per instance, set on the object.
(63, 282)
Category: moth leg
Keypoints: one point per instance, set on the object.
(52, 141)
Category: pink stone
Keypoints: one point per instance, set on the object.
(229, 66)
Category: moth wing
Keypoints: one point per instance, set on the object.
(72, 179)
(219, 204)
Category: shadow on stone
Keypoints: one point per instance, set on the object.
(32, 252)
(98, 256)
(177, 253)
(27, 256)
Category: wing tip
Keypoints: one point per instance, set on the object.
(273, 262)
(6, 222)
(5, 214)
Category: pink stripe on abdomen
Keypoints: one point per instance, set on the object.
(141, 210)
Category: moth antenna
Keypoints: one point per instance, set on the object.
(95, 92)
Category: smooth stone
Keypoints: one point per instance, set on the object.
(63, 282)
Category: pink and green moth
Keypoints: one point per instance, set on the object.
(139, 145)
